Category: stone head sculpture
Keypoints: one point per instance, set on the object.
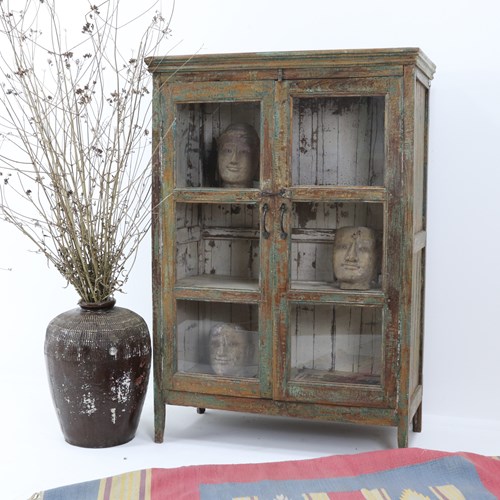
(355, 257)
(231, 349)
(238, 155)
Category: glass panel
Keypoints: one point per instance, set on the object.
(338, 141)
(217, 241)
(217, 338)
(336, 344)
(200, 128)
(338, 244)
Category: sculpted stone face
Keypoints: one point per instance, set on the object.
(238, 155)
(230, 349)
(355, 257)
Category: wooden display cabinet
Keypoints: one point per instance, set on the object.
(343, 142)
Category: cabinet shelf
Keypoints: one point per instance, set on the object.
(204, 195)
(215, 287)
(337, 193)
(308, 376)
(210, 287)
(318, 291)
(296, 193)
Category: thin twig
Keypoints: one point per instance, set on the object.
(81, 189)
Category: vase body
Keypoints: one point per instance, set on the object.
(98, 363)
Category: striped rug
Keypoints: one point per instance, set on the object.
(408, 474)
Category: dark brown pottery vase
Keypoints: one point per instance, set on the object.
(98, 361)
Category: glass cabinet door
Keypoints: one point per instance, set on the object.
(336, 323)
(219, 285)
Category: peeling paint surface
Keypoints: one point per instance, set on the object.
(121, 388)
(88, 404)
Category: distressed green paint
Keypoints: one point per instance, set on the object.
(274, 80)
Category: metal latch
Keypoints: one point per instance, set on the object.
(282, 192)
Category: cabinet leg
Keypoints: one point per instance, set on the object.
(200, 411)
(417, 420)
(160, 416)
(403, 433)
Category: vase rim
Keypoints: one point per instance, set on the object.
(93, 306)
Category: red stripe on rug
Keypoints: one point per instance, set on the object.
(184, 482)
(107, 488)
(142, 487)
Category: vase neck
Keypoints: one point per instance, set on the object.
(94, 306)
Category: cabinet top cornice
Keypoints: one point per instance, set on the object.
(261, 61)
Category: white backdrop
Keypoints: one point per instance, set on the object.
(462, 346)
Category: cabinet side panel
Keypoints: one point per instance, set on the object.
(419, 214)
(416, 305)
(420, 157)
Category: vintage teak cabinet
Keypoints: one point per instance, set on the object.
(343, 143)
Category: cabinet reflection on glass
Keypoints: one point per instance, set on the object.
(336, 343)
(217, 338)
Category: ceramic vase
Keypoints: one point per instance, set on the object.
(98, 361)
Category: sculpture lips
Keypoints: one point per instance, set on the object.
(350, 266)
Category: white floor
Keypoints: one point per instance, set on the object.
(34, 456)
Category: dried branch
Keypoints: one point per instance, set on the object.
(74, 139)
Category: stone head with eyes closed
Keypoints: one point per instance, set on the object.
(238, 155)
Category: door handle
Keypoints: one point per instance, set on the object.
(283, 211)
(265, 232)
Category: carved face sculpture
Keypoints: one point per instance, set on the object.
(230, 349)
(355, 257)
(238, 157)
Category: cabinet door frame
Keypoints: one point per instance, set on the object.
(385, 394)
(164, 238)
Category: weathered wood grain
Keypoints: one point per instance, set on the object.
(343, 142)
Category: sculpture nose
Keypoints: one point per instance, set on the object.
(352, 253)
(223, 344)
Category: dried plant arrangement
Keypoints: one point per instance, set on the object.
(74, 137)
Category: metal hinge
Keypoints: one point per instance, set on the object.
(282, 192)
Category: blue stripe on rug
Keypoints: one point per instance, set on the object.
(81, 491)
(454, 471)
